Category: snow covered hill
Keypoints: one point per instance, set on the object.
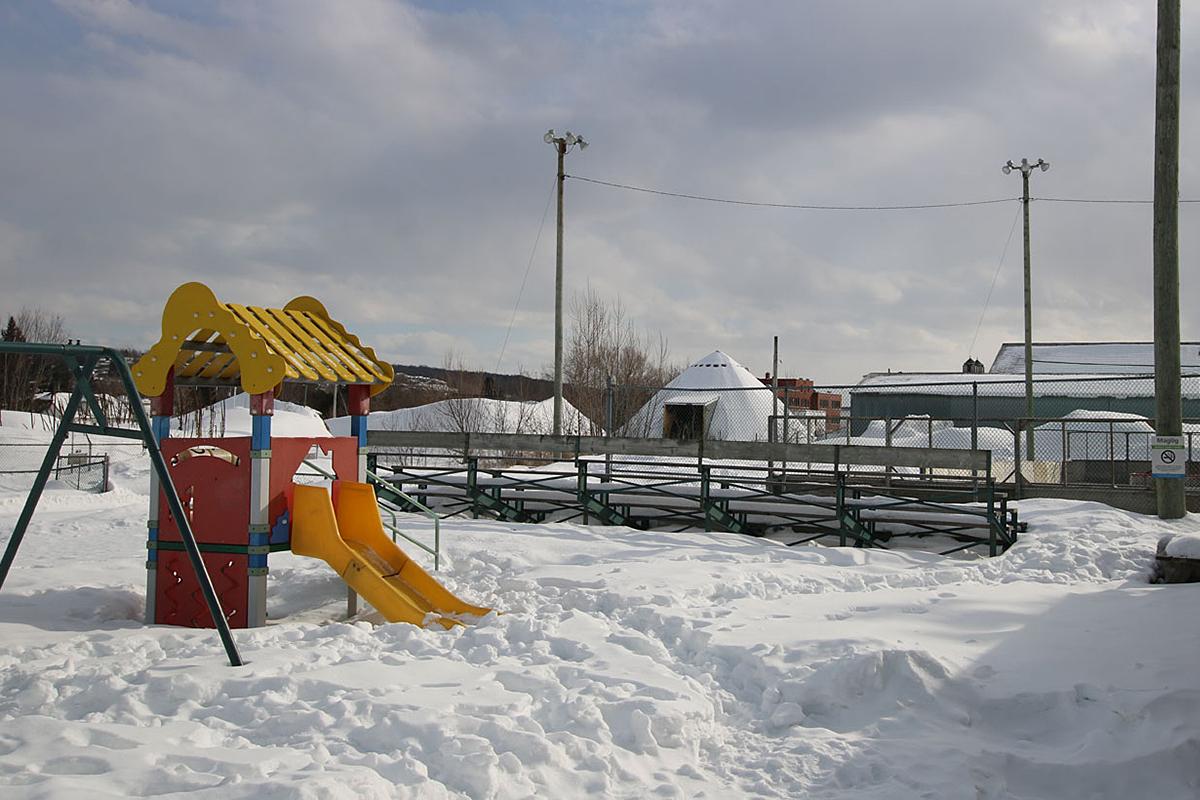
(474, 414)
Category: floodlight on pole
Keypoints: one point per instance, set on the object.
(561, 144)
(1025, 168)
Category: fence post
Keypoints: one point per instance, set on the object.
(840, 507)
(887, 442)
(472, 484)
(608, 428)
(1112, 455)
(1017, 458)
(975, 433)
(787, 433)
(581, 491)
(1128, 468)
(771, 437)
(991, 513)
(1062, 468)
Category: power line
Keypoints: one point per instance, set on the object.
(1094, 363)
(799, 206)
(1102, 200)
(521, 291)
(901, 207)
(987, 301)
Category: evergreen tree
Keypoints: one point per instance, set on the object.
(12, 331)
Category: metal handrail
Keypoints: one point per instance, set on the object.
(435, 551)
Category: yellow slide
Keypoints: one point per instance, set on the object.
(347, 533)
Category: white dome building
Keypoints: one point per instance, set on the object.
(714, 398)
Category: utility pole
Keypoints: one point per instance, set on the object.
(561, 144)
(1168, 419)
(1026, 168)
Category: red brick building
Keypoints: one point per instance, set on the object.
(799, 394)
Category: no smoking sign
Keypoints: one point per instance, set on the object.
(1168, 457)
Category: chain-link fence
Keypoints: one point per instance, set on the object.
(81, 467)
(1062, 430)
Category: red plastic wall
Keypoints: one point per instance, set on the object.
(216, 497)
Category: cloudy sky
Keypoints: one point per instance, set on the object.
(387, 157)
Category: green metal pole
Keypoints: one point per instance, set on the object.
(91, 354)
(39, 483)
(185, 528)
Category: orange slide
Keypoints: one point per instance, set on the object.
(346, 532)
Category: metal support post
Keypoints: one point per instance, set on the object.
(162, 408)
(609, 422)
(975, 431)
(1017, 459)
(887, 442)
(262, 407)
(358, 406)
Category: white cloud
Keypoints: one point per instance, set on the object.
(387, 159)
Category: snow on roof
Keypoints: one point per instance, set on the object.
(716, 371)
(1003, 385)
(1090, 357)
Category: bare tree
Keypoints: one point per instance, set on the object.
(464, 409)
(603, 344)
(24, 376)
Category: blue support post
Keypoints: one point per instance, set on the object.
(262, 406)
(161, 408)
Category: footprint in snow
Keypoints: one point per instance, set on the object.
(76, 765)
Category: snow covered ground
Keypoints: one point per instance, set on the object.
(624, 664)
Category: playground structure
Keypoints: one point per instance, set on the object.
(240, 493)
(219, 506)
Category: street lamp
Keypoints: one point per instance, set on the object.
(561, 144)
(1026, 168)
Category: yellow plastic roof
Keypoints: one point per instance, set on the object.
(210, 342)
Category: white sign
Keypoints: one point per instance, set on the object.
(1168, 457)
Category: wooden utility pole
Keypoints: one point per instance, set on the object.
(1167, 398)
(561, 144)
(1029, 440)
(1026, 168)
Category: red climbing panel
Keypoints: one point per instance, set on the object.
(179, 600)
(212, 477)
